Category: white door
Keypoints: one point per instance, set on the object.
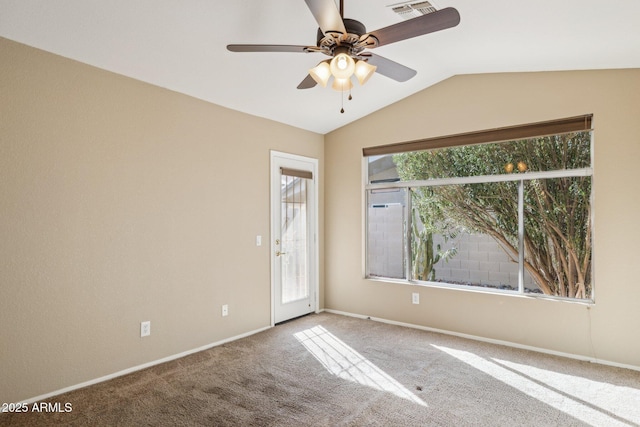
(294, 244)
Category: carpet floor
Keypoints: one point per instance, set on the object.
(332, 370)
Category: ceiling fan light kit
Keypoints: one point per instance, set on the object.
(345, 41)
(341, 67)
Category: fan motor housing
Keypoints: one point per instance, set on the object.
(331, 40)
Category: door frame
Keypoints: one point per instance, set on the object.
(314, 256)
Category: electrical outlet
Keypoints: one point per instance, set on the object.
(415, 298)
(145, 328)
(225, 310)
(258, 240)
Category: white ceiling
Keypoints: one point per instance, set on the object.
(181, 45)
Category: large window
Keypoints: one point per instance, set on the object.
(512, 216)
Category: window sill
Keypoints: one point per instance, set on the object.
(481, 290)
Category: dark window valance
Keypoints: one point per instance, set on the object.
(552, 127)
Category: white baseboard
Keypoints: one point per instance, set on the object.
(141, 367)
(489, 340)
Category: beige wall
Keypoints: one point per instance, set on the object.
(122, 202)
(607, 330)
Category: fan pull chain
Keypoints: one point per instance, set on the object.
(342, 99)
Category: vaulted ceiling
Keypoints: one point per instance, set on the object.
(181, 45)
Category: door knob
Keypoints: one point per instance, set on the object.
(278, 253)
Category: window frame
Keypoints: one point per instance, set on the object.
(519, 178)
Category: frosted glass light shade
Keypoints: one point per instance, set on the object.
(342, 66)
(341, 85)
(363, 71)
(321, 73)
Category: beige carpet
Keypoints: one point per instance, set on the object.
(332, 370)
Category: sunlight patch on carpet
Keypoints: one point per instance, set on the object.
(538, 384)
(617, 399)
(346, 363)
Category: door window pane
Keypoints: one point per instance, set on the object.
(294, 255)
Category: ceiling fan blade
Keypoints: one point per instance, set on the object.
(391, 69)
(268, 48)
(307, 83)
(327, 15)
(425, 24)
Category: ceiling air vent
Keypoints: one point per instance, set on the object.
(411, 10)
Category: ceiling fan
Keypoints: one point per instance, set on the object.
(346, 41)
